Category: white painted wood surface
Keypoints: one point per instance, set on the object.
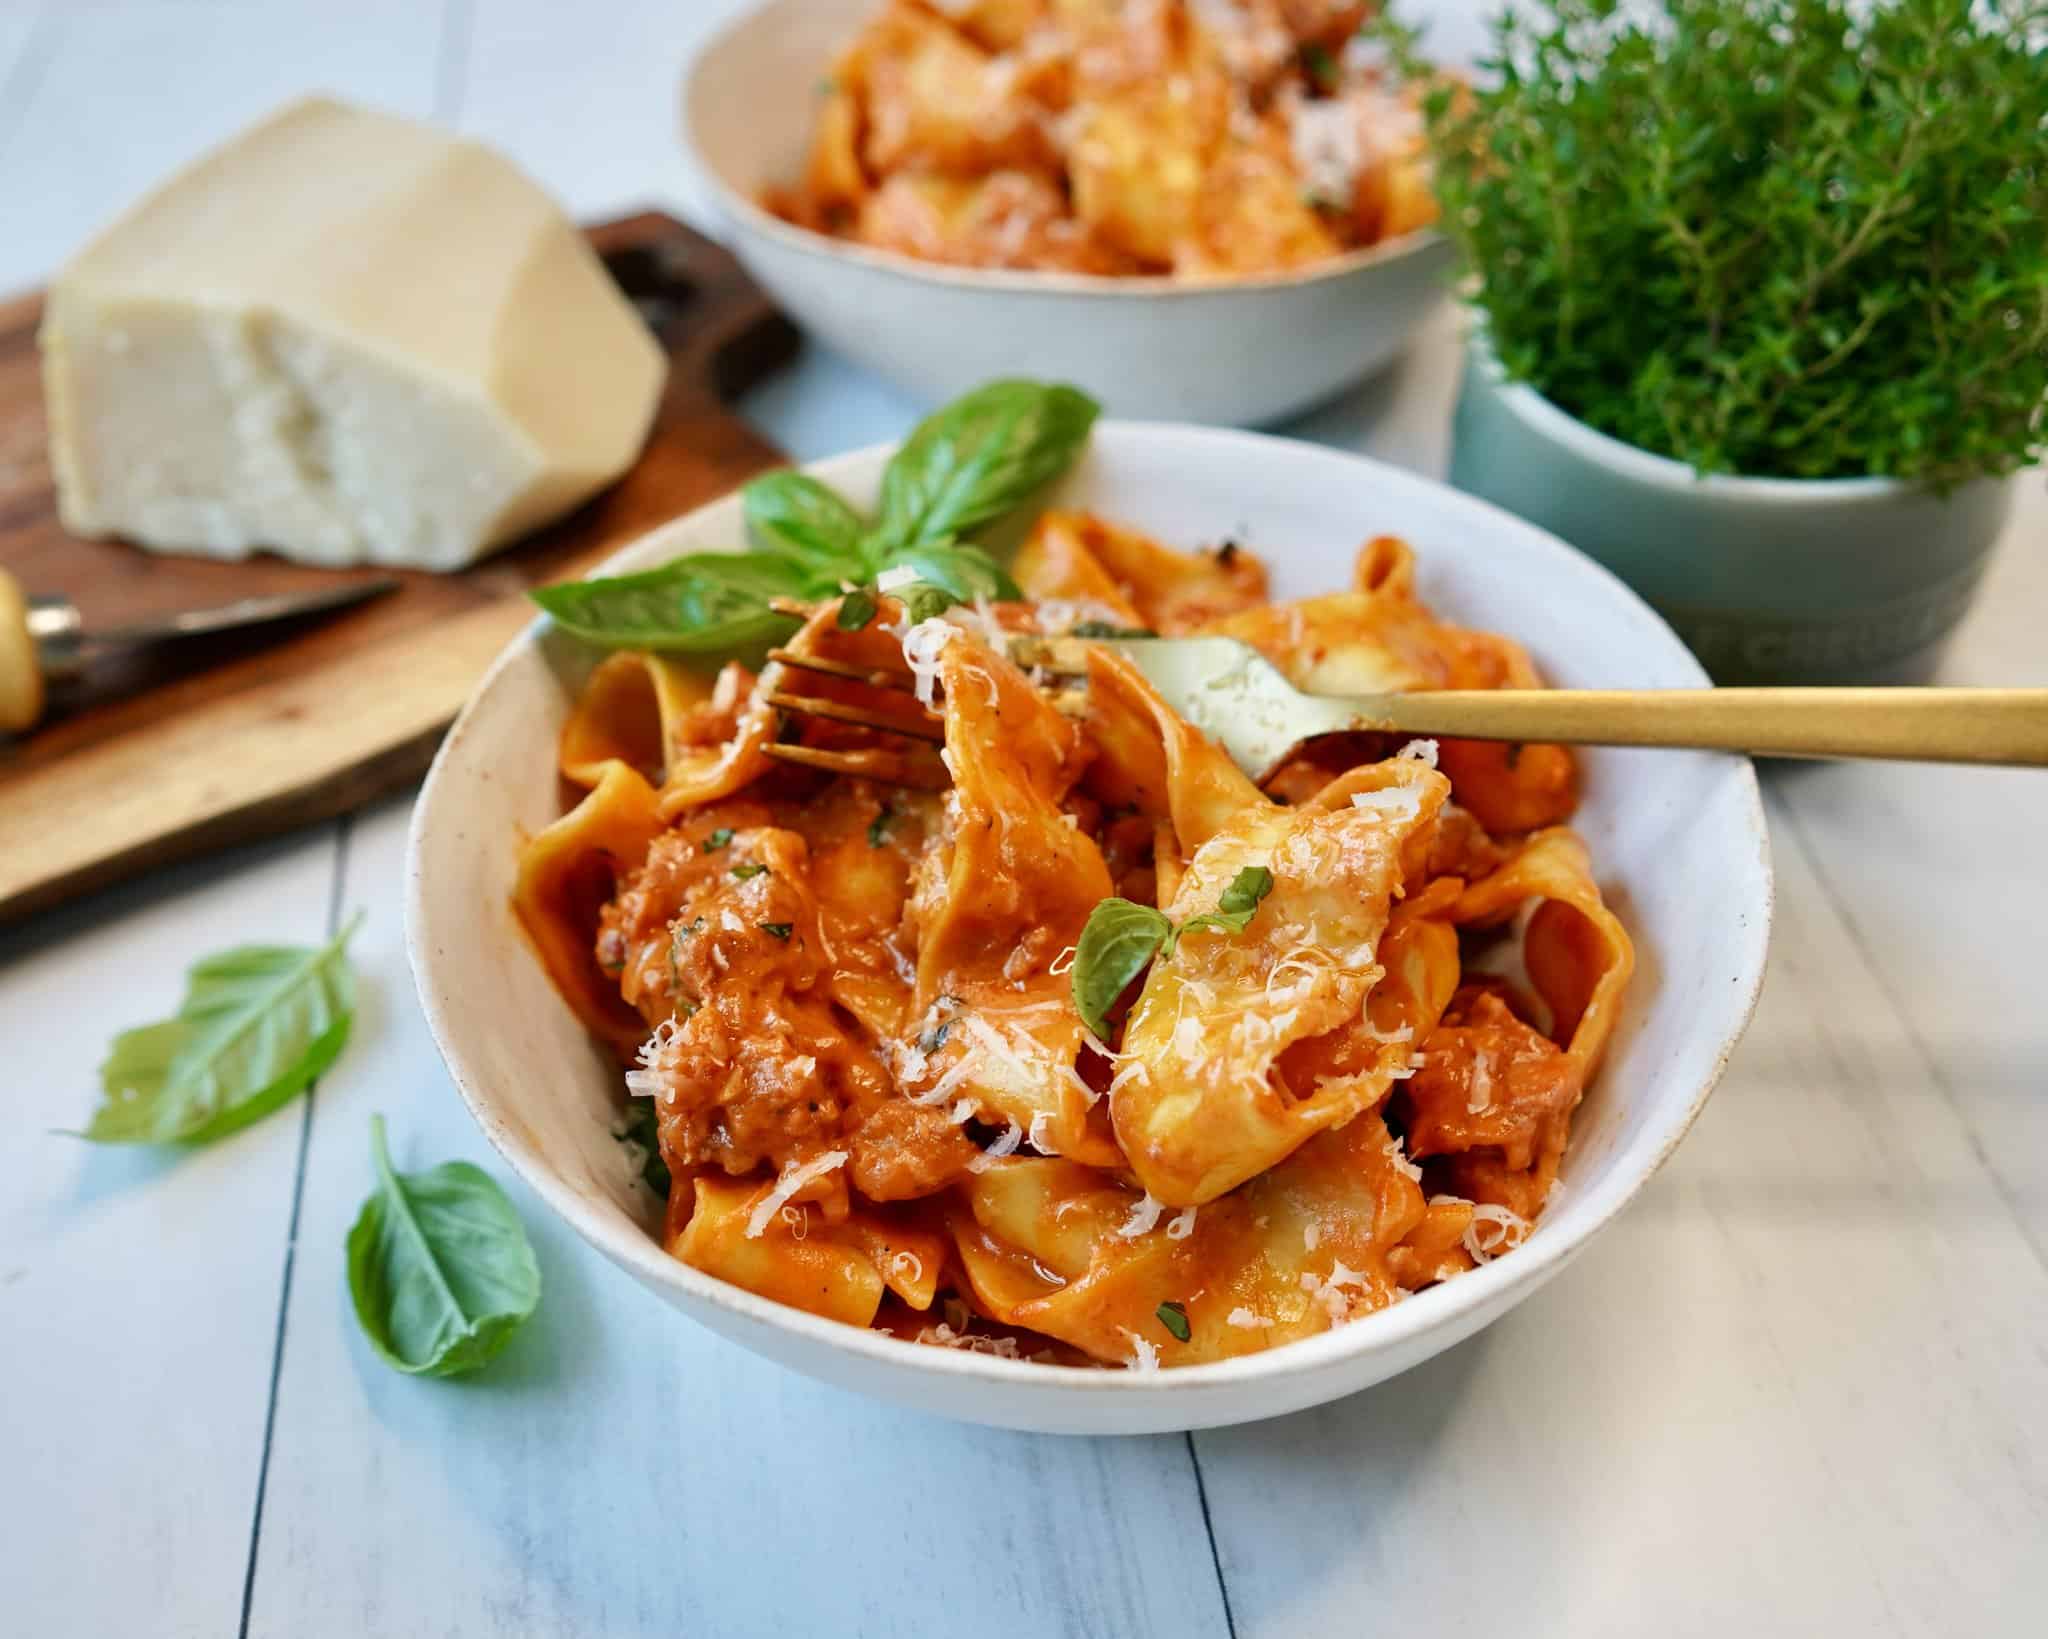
(1801, 1388)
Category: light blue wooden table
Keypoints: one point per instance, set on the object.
(1801, 1388)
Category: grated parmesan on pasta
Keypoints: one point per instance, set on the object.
(792, 1180)
(1143, 1219)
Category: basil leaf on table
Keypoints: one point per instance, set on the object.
(439, 1266)
(979, 457)
(796, 515)
(705, 603)
(258, 1024)
(1120, 937)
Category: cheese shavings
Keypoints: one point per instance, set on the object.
(894, 580)
(1013, 1135)
(1397, 802)
(792, 1180)
(1399, 1157)
(1329, 1291)
(922, 645)
(1418, 751)
(1480, 1097)
(1246, 1318)
(944, 1337)
(1512, 1227)
(1144, 1352)
(1182, 1225)
(907, 1266)
(1143, 1219)
(651, 1079)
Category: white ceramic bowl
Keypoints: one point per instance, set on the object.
(1678, 839)
(1245, 352)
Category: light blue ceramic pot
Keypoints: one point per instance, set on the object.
(1768, 580)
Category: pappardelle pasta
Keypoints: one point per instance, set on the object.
(1349, 1072)
(1208, 139)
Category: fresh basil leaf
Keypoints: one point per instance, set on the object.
(717, 839)
(705, 603)
(777, 930)
(966, 572)
(790, 513)
(1120, 937)
(856, 609)
(1236, 905)
(878, 827)
(978, 457)
(439, 1266)
(639, 1125)
(257, 1025)
(743, 872)
(1174, 1317)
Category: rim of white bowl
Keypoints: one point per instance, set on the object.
(741, 211)
(1538, 1257)
(1560, 426)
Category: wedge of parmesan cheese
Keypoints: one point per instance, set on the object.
(346, 338)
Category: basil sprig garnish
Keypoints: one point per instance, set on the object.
(1121, 936)
(962, 468)
(439, 1266)
(258, 1024)
(980, 456)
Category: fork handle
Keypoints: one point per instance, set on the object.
(1943, 725)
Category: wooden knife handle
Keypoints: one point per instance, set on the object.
(21, 672)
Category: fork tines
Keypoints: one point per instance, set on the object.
(867, 762)
(838, 712)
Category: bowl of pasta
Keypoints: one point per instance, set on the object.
(1209, 210)
(964, 1027)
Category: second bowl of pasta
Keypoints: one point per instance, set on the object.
(1045, 1069)
(1197, 212)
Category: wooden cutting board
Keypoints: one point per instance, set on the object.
(214, 743)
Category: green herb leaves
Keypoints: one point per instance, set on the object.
(1237, 904)
(799, 517)
(640, 1128)
(961, 468)
(257, 1025)
(439, 1267)
(1121, 936)
(1174, 1317)
(705, 604)
(1797, 238)
(977, 458)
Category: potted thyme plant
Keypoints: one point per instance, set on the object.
(1762, 297)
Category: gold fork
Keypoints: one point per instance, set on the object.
(1240, 699)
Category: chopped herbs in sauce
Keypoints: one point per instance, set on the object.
(638, 1126)
(781, 930)
(718, 839)
(878, 827)
(744, 872)
(1174, 1318)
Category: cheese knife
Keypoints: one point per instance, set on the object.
(45, 640)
